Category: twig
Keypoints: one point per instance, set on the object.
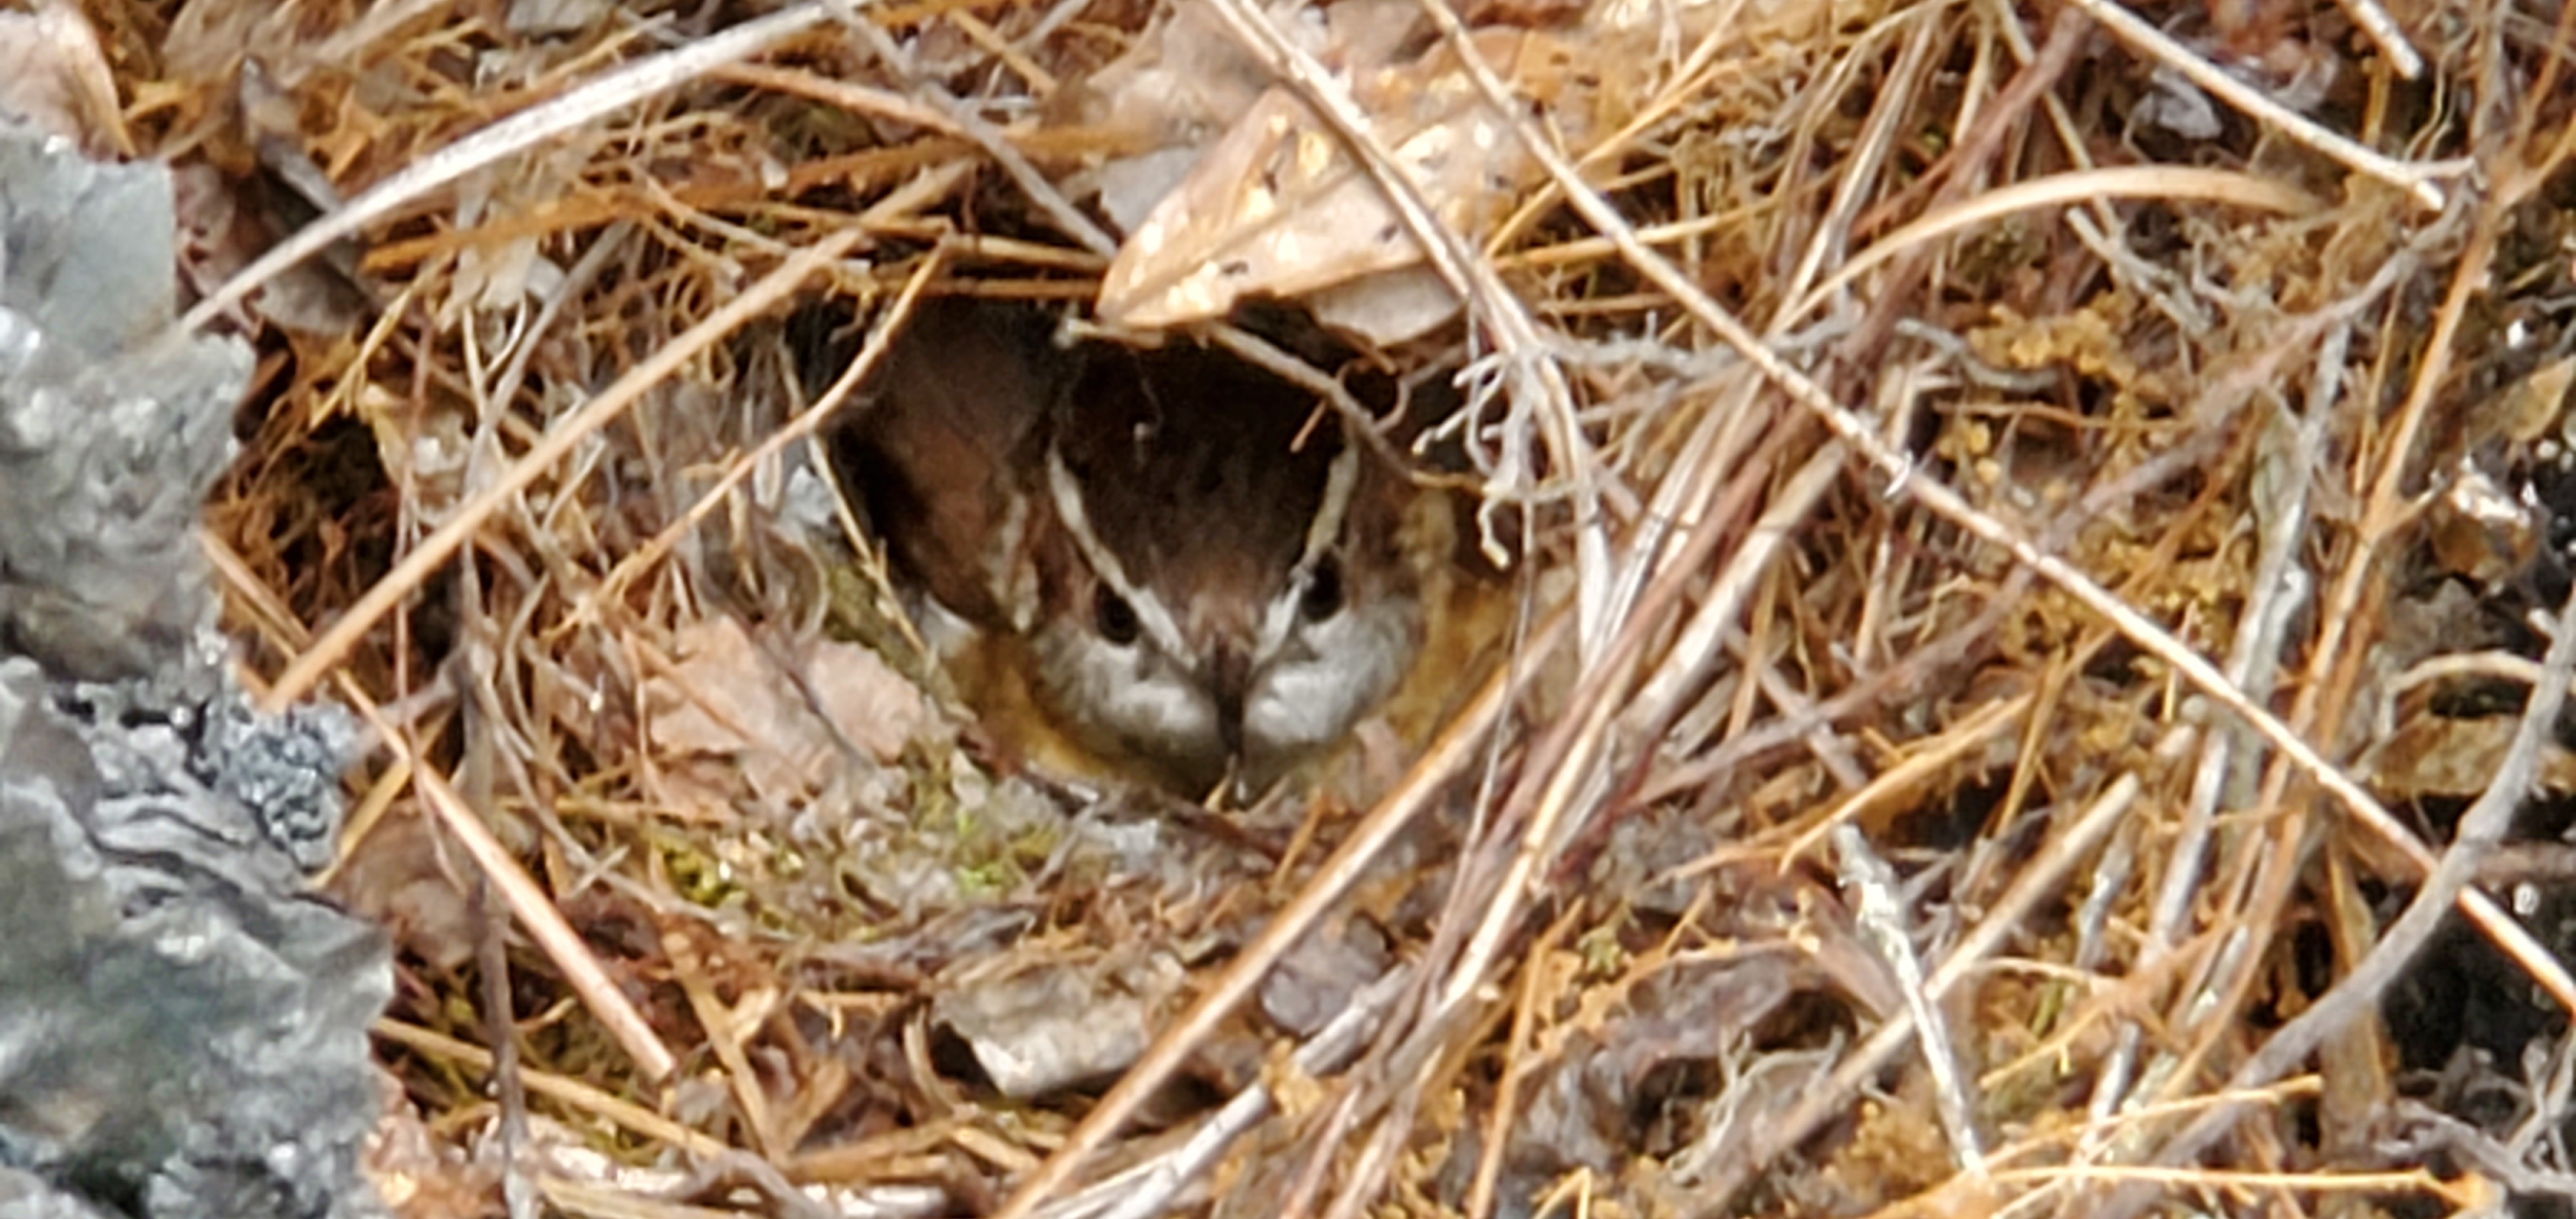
(624, 1113)
(2481, 828)
(440, 546)
(517, 133)
(2251, 664)
(1570, 772)
(545, 923)
(1516, 1067)
(2415, 179)
(2033, 883)
(2384, 34)
(1067, 218)
(1148, 1188)
(2058, 190)
(1890, 111)
(1948, 504)
(1452, 753)
(1881, 913)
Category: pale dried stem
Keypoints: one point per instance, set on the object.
(2416, 179)
(2274, 596)
(2169, 182)
(1566, 775)
(1152, 1187)
(1452, 754)
(2197, 671)
(1537, 399)
(580, 1097)
(2038, 880)
(522, 131)
(612, 588)
(1949, 505)
(520, 893)
(560, 440)
(1881, 914)
(2357, 993)
(1682, 505)
(2383, 32)
(1517, 1065)
(1692, 656)
(1677, 89)
(1858, 172)
(1050, 202)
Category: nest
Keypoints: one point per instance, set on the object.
(2027, 545)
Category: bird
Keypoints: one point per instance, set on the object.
(1162, 564)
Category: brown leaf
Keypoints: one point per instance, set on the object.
(2445, 757)
(729, 701)
(1058, 1025)
(1278, 207)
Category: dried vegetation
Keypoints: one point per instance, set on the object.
(2034, 544)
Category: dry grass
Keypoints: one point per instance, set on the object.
(1990, 560)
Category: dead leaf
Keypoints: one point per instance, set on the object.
(728, 702)
(1387, 308)
(1279, 208)
(874, 706)
(2442, 757)
(209, 38)
(1061, 1025)
(1183, 80)
(398, 877)
(1186, 82)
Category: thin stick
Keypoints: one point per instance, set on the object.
(2384, 33)
(2057, 190)
(1948, 504)
(2036, 880)
(962, 119)
(1880, 911)
(803, 425)
(2480, 830)
(436, 549)
(2415, 179)
(1451, 754)
(579, 1095)
(545, 923)
(509, 136)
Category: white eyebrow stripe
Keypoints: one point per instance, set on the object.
(1157, 620)
(1339, 482)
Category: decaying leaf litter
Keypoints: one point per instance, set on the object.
(2031, 535)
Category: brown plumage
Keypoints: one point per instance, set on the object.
(941, 450)
(1179, 585)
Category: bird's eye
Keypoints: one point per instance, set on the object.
(1323, 596)
(1115, 618)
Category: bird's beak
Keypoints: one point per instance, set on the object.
(1229, 678)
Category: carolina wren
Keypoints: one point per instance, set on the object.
(1138, 544)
